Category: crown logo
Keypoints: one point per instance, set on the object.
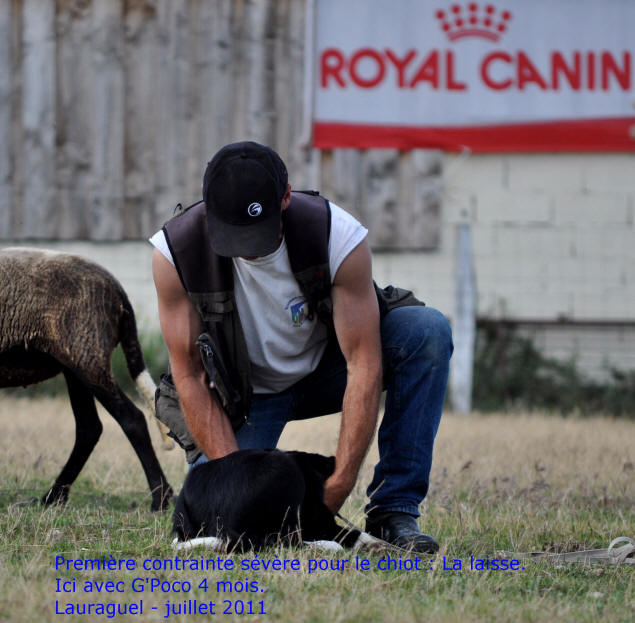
(475, 20)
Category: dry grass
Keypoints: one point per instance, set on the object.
(588, 456)
(520, 458)
(518, 482)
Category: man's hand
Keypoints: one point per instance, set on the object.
(336, 491)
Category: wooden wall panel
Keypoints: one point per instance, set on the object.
(75, 121)
(38, 120)
(109, 112)
(6, 89)
(106, 203)
(143, 100)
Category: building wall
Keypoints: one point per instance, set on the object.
(109, 111)
(553, 249)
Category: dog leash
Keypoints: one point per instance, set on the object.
(613, 555)
(625, 554)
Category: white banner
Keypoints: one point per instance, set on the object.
(543, 74)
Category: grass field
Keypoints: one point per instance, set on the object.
(502, 482)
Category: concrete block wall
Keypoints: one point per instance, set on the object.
(554, 235)
(553, 240)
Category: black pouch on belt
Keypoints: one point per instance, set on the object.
(220, 381)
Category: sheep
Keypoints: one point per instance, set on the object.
(62, 313)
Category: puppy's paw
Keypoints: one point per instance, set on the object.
(212, 542)
(324, 546)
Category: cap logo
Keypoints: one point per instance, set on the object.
(254, 209)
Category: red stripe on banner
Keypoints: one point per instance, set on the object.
(579, 135)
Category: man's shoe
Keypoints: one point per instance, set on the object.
(401, 529)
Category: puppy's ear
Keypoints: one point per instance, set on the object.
(317, 466)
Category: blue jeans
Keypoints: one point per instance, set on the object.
(416, 350)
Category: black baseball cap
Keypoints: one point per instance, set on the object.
(243, 188)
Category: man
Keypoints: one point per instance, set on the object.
(297, 366)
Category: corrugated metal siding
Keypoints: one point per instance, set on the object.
(110, 110)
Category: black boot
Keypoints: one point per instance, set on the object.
(401, 529)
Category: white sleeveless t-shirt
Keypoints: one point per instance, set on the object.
(284, 345)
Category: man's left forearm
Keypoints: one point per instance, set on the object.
(359, 418)
(356, 320)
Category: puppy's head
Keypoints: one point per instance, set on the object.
(317, 521)
(315, 467)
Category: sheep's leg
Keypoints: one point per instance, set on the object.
(134, 426)
(87, 432)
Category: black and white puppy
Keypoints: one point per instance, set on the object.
(256, 498)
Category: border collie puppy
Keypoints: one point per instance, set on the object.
(257, 498)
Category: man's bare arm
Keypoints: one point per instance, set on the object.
(181, 326)
(356, 319)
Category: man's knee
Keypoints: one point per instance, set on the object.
(438, 334)
(419, 329)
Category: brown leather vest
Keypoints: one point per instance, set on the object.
(208, 280)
